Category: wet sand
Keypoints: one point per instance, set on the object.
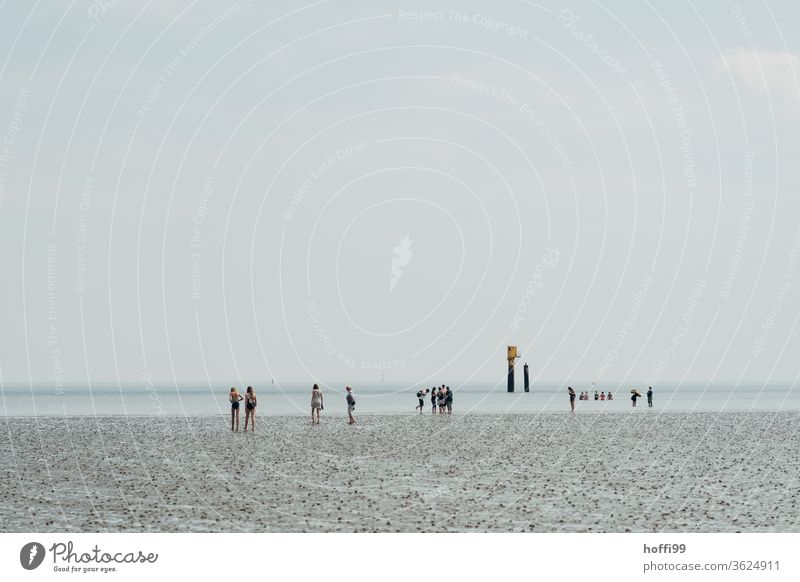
(641, 472)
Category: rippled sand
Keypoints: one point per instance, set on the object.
(552, 472)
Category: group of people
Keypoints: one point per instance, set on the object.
(600, 396)
(635, 394)
(317, 404)
(250, 403)
(441, 397)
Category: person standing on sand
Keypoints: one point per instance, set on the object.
(351, 405)
(650, 397)
(250, 409)
(634, 396)
(421, 398)
(235, 398)
(316, 404)
(440, 398)
(571, 398)
(433, 400)
(448, 400)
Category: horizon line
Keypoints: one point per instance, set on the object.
(502, 381)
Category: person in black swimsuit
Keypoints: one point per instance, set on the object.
(235, 398)
(250, 409)
(433, 400)
(571, 398)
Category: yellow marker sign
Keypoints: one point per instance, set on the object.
(512, 352)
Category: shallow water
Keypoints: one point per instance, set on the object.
(389, 398)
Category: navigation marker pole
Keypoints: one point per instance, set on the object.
(512, 355)
(527, 381)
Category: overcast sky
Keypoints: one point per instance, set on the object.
(219, 191)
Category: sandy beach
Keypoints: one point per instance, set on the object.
(641, 472)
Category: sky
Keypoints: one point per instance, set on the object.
(348, 191)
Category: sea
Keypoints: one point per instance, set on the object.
(293, 398)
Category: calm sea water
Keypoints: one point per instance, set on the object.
(388, 398)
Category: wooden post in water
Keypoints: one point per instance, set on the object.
(527, 381)
(512, 355)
